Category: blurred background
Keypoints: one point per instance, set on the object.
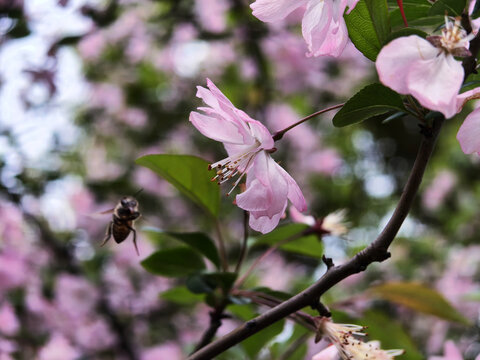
(86, 87)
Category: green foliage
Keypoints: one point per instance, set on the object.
(257, 342)
(197, 241)
(406, 32)
(174, 262)
(390, 334)
(369, 26)
(208, 282)
(451, 7)
(308, 245)
(189, 175)
(372, 100)
(413, 12)
(419, 298)
(181, 295)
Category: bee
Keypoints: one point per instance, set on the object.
(124, 216)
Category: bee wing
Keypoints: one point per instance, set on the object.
(109, 211)
(97, 214)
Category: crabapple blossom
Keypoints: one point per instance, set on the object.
(323, 26)
(427, 68)
(469, 133)
(348, 347)
(451, 352)
(248, 144)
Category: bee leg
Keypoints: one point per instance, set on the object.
(108, 235)
(134, 239)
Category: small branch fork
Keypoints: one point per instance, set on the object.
(377, 251)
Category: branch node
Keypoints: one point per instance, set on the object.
(321, 308)
(251, 324)
(328, 262)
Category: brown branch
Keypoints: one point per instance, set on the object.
(216, 317)
(376, 251)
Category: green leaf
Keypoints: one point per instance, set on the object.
(180, 261)
(257, 342)
(189, 175)
(308, 245)
(207, 283)
(390, 334)
(452, 7)
(369, 26)
(419, 298)
(412, 12)
(198, 241)
(372, 100)
(181, 295)
(406, 32)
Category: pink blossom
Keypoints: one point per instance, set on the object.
(211, 14)
(8, 320)
(427, 69)
(439, 189)
(169, 351)
(58, 348)
(329, 353)
(323, 26)
(92, 46)
(469, 133)
(75, 296)
(450, 352)
(342, 336)
(248, 144)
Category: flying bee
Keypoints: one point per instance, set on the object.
(124, 216)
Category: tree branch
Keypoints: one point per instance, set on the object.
(376, 251)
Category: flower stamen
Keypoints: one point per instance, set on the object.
(235, 165)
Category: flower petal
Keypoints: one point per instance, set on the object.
(398, 56)
(435, 83)
(295, 195)
(334, 42)
(275, 10)
(216, 128)
(469, 133)
(316, 23)
(263, 223)
(268, 190)
(350, 4)
(260, 132)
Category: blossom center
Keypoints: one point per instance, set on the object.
(235, 165)
(453, 36)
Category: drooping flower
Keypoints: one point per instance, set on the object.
(427, 68)
(248, 144)
(334, 223)
(323, 26)
(350, 348)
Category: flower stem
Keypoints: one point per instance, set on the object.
(279, 134)
(243, 250)
(221, 246)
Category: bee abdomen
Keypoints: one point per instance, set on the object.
(120, 233)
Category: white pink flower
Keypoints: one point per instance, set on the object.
(248, 144)
(427, 69)
(323, 26)
(348, 347)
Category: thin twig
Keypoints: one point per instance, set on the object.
(376, 251)
(279, 134)
(216, 317)
(262, 257)
(243, 249)
(221, 246)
